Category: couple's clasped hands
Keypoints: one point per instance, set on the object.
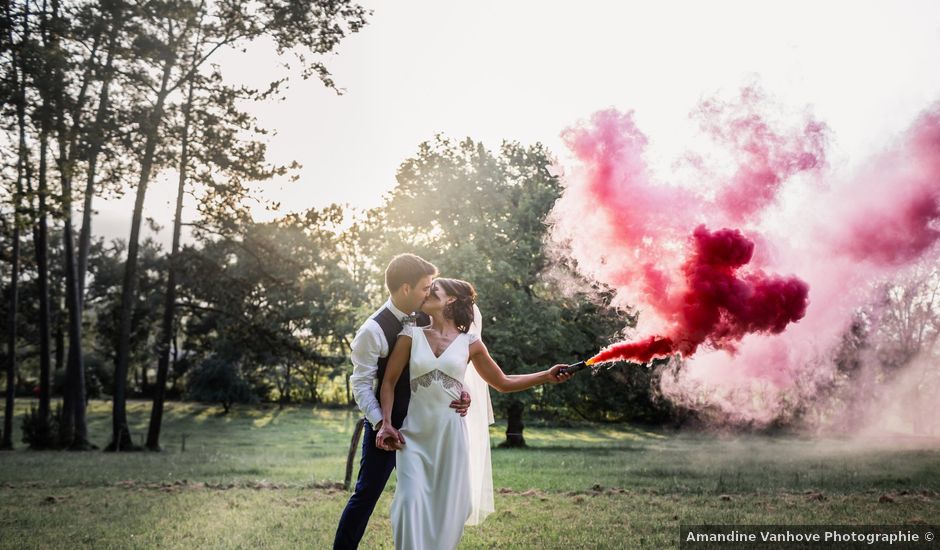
(390, 439)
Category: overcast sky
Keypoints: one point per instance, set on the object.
(525, 70)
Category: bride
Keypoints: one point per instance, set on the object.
(444, 476)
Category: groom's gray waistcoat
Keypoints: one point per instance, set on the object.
(391, 326)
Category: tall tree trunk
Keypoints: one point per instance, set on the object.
(95, 141)
(59, 356)
(315, 387)
(41, 237)
(167, 334)
(169, 305)
(514, 425)
(66, 420)
(76, 429)
(76, 363)
(19, 82)
(73, 431)
(7, 442)
(120, 434)
(175, 360)
(287, 384)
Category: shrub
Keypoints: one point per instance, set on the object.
(218, 381)
(39, 433)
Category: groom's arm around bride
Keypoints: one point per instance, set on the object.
(408, 279)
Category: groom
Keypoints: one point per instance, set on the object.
(408, 278)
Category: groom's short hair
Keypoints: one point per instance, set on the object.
(407, 269)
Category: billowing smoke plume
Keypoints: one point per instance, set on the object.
(719, 306)
(765, 156)
(754, 277)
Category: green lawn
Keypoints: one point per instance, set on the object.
(266, 478)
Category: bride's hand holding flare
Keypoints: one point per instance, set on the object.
(557, 375)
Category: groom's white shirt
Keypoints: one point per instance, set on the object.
(367, 347)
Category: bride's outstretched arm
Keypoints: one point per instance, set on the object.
(393, 369)
(507, 383)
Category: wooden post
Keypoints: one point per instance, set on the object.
(351, 457)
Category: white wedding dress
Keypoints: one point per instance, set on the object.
(433, 496)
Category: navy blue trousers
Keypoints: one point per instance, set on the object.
(374, 468)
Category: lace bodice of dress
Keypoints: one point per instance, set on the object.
(435, 375)
(448, 369)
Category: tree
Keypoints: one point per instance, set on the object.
(173, 28)
(218, 381)
(114, 16)
(14, 92)
(73, 429)
(480, 216)
(53, 57)
(886, 358)
(908, 317)
(273, 298)
(213, 141)
(37, 68)
(907, 333)
(106, 266)
(26, 375)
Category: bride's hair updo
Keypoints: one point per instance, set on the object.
(461, 309)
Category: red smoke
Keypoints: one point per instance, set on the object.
(766, 156)
(902, 231)
(639, 352)
(720, 306)
(761, 170)
(900, 236)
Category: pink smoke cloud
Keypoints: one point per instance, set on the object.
(766, 155)
(838, 233)
(895, 221)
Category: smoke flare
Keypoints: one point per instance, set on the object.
(713, 295)
(642, 351)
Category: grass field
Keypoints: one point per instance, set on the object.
(265, 477)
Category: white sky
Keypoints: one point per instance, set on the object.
(525, 70)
